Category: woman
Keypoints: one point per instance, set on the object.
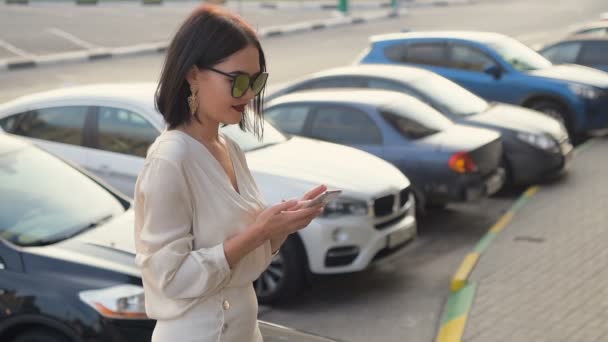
(202, 233)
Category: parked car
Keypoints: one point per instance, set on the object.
(445, 161)
(598, 28)
(107, 129)
(534, 146)
(67, 262)
(590, 51)
(499, 68)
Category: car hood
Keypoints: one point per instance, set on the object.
(575, 73)
(109, 247)
(506, 117)
(295, 166)
(117, 234)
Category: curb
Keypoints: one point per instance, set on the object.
(267, 32)
(460, 278)
(454, 318)
(462, 291)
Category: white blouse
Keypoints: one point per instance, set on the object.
(185, 208)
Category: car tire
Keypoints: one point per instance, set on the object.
(41, 335)
(559, 112)
(286, 274)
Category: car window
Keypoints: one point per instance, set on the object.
(427, 53)
(58, 124)
(518, 55)
(38, 201)
(375, 83)
(449, 97)
(563, 53)
(344, 125)
(123, 131)
(596, 31)
(468, 58)
(289, 119)
(9, 123)
(594, 53)
(334, 82)
(396, 52)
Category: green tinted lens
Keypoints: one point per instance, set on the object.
(259, 83)
(240, 86)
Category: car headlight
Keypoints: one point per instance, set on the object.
(584, 91)
(345, 206)
(118, 302)
(542, 141)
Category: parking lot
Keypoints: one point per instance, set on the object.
(401, 299)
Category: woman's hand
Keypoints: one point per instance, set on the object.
(285, 218)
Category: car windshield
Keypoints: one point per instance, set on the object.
(519, 55)
(249, 142)
(449, 97)
(44, 200)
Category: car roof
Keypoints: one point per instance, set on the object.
(399, 73)
(366, 97)
(9, 143)
(478, 36)
(587, 38)
(138, 93)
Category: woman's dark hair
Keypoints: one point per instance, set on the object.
(208, 36)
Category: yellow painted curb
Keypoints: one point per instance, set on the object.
(461, 277)
(453, 331)
(532, 191)
(503, 222)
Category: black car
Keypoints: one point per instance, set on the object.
(535, 146)
(590, 50)
(67, 269)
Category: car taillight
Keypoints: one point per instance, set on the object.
(462, 162)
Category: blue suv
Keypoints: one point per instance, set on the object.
(500, 68)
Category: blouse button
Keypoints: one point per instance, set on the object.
(226, 305)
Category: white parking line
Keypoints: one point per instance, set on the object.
(72, 38)
(15, 50)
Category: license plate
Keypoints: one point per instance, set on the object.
(494, 183)
(398, 237)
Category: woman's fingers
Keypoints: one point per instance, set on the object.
(283, 206)
(314, 192)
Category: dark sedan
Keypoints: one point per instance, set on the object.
(67, 271)
(535, 146)
(588, 50)
(446, 162)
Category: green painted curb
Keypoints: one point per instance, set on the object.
(485, 241)
(459, 303)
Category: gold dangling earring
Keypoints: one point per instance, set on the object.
(193, 101)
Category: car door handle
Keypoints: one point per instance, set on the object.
(2, 265)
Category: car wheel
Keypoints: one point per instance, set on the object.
(558, 112)
(41, 335)
(286, 274)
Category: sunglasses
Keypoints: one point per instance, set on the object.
(241, 82)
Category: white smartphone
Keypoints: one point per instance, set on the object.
(323, 198)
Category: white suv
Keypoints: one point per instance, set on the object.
(107, 129)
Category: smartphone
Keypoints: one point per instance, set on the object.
(323, 198)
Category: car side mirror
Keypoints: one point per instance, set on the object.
(494, 71)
